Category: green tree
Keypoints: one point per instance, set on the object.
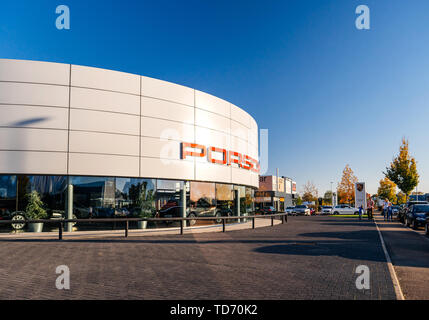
(327, 198)
(403, 170)
(298, 200)
(387, 190)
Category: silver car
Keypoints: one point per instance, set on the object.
(291, 211)
(327, 210)
(302, 210)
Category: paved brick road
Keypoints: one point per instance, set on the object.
(409, 251)
(308, 258)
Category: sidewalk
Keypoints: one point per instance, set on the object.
(409, 252)
(53, 235)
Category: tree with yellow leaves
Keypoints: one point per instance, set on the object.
(401, 198)
(403, 170)
(346, 188)
(387, 190)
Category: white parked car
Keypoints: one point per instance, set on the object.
(345, 209)
(302, 210)
(327, 210)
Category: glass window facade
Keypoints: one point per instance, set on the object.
(8, 199)
(110, 197)
(225, 199)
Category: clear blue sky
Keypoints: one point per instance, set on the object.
(329, 94)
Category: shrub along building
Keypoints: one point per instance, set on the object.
(276, 192)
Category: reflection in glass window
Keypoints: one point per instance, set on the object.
(51, 189)
(250, 200)
(93, 197)
(135, 197)
(168, 194)
(202, 201)
(8, 203)
(225, 199)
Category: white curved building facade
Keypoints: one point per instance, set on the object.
(62, 120)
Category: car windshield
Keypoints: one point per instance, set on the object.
(327, 207)
(421, 208)
(290, 208)
(301, 207)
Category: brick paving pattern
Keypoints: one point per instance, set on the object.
(409, 251)
(307, 258)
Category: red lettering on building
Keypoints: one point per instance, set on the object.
(211, 150)
(186, 152)
(228, 157)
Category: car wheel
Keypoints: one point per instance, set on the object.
(336, 213)
(218, 215)
(20, 219)
(192, 222)
(357, 212)
(74, 218)
(407, 223)
(414, 224)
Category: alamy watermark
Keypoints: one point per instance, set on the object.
(363, 20)
(63, 280)
(63, 20)
(363, 280)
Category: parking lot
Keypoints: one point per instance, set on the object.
(310, 257)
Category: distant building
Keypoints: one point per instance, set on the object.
(278, 194)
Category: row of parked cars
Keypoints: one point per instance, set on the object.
(325, 210)
(301, 210)
(415, 214)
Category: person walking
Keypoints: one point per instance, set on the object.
(389, 212)
(370, 205)
(385, 207)
(360, 212)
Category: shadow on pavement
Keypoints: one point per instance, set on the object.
(361, 235)
(356, 223)
(344, 250)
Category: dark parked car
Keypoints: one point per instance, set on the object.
(267, 210)
(417, 215)
(202, 208)
(172, 209)
(404, 210)
(427, 226)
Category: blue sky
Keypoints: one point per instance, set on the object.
(329, 94)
